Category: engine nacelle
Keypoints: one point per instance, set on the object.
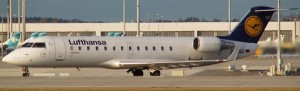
(211, 44)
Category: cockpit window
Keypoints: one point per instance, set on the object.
(27, 45)
(39, 45)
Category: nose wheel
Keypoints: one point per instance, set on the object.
(26, 72)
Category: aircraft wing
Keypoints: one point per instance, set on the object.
(164, 63)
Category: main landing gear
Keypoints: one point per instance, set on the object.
(136, 72)
(139, 72)
(155, 73)
(26, 72)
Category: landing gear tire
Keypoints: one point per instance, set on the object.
(26, 72)
(155, 73)
(136, 72)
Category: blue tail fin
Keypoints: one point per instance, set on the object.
(41, 34)
(12, 43)
(36, 35)
(251, 27)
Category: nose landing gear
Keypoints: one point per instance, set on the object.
(26, 72)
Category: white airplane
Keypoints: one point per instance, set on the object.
(143, 53)
(281, 39)
(269, 43)
(268, 40)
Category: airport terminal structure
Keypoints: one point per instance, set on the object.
(172, 29)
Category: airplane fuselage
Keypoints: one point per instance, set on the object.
(100, 51)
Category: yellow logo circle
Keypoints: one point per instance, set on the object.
(253, 26)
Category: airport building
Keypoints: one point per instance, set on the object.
(173, 29)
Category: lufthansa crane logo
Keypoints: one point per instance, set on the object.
(43, 53)
(253, 26)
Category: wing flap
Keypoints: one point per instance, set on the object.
(162, 63)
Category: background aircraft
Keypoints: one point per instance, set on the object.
(269, 43)
(13, 42)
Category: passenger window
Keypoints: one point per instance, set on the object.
(114, 48)
(122, 48)
(153, 48)
(88, 48)
(97, 48)
(138, 48)
(27, 45)
(105, 48)
(162, 48)
(171, 48)
(39, 45)
(146, 48)
(79, 48)
(71, 48)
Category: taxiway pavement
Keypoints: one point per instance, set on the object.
(207, 76)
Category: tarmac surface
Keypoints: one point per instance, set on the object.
(191, 81)
(207, 76)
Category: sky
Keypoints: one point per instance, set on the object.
(111, 10)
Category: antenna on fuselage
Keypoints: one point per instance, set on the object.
(70, 34)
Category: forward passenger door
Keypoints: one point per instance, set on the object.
(59, 49)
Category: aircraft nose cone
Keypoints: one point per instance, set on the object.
(14, 58)
(9, 59)
(6, 59)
